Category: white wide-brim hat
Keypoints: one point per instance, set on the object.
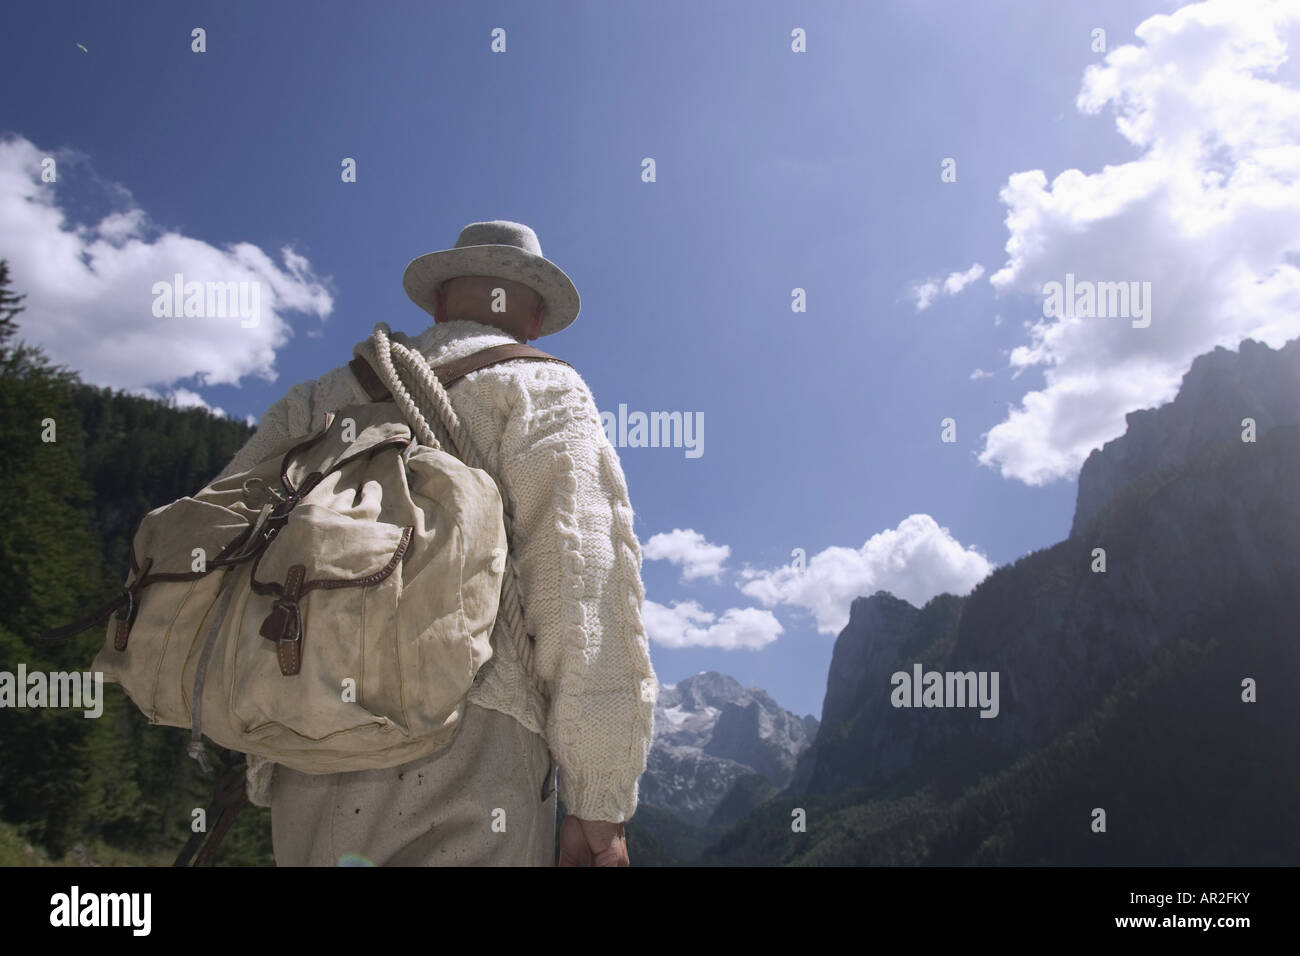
(501, 248)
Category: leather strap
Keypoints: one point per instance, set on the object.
(229, 796)
(284, 624)
(122, 606)
(450, 371)
(123, 598)
(374, 388)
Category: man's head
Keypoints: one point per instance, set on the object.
(472, 298)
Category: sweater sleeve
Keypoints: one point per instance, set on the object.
(579, 567)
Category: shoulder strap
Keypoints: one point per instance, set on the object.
(451, 371)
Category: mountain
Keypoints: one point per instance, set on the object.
(1158, 689)
(719, 748)
(1218, 391)
(857, 719)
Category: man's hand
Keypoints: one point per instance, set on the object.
(592, 843)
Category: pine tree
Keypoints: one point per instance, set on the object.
(9, 308)
(49, 560)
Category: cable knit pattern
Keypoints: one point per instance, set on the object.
(578, 562)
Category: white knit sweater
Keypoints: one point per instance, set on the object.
(536, 426)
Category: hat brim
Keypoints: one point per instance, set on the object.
(425, 273)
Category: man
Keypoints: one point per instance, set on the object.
(488, 797)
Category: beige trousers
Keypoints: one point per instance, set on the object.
(476, 802)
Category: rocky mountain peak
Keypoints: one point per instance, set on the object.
(710, 733)
(1220, 389)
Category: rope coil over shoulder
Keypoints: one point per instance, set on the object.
(426, 392)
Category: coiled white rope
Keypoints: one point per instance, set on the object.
(430, 395)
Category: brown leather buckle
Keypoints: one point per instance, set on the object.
(284, 624)
(125, 617)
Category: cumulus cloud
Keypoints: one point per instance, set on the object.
(90, 299)
(181, 398)
(1208, 213)
(979, 373)
(914, 561)
(697, 557)
(924, 293)
(686, 624)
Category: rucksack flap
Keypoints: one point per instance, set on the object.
(352, 632)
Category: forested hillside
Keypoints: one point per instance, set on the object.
(79, 467)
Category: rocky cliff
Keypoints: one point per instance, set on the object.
(1198, 529)
(1220, 390)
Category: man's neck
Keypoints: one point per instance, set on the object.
(484, 323)
(450, 334)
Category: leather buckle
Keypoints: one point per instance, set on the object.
(282, 624)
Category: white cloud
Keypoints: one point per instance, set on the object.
(960, 280)
(117, 227)
(686, 624)
(181, 398)
(698, 558)
(89, 287)
(184, 398)
(1207, 213)
(914, 561)
(978, 374)
(924, 293)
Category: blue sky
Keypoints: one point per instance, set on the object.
(775, 170)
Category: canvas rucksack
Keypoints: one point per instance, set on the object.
(328, 608)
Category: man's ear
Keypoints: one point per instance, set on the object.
(535, 320)
(439, 303)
